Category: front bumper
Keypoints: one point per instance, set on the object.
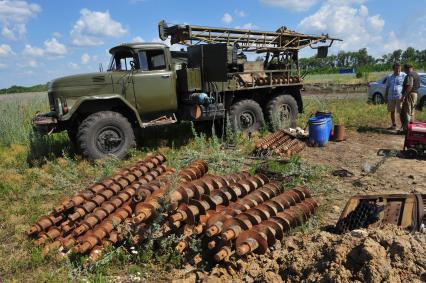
(46, 123)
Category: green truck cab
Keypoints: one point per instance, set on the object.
(147, 84)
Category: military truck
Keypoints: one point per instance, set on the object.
(147, 84)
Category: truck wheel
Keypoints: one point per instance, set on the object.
(246, 116)
(105, 133)
(282, 112)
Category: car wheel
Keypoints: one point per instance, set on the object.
(378, 98)
(282, 112)
(105, 133)
(246, 116)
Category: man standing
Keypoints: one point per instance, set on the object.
(409, 96)
(393, 92)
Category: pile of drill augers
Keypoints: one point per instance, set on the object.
(280, 143)
(248, 213)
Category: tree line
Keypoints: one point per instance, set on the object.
(20, 89)
(363, 62)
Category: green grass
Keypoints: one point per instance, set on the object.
(351, 112)
(29, 190)
(343, 78)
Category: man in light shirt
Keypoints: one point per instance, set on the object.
(393, 94)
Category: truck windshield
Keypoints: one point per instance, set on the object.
(122, 61)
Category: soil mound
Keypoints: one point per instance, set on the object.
(386, 254)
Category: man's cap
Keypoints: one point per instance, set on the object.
(408, 66)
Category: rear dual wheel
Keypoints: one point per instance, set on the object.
(281, 112)
(246, 116)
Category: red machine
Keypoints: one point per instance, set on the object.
(415, 139)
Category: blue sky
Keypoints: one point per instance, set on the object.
(41, 40)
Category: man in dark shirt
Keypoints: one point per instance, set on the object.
(409, 95)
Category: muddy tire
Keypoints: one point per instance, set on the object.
(246, 116)
(281, 112)
(105, 133)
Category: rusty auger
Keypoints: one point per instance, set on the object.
(244, 221)
(97, 193)
(235, 226)
(239, 207)
(102, 230)
(280, 143)
(190, 213)
(215, 222)
(113, 192)
(214, 218)
(115, 202)
(264, 235)
(113, 238)
(203, 186)
(270, 139)
(45, 223)
(122, 178)
(146, 209)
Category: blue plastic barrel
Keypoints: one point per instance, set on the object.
(326, 115)
(319, 131)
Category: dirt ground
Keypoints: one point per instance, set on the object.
(359, 154)
(386, 254)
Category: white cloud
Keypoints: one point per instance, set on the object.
(57, 34)
(93, 26)
(14, 16)
(33, 51)
(227, 18)
(85, 58)
(73, 66)
(55, 48)
(350, 21)
(174, 47)
(412, 33)
(5, 50)
(249, 26)
(7, 33)
(376, 23)
(29, 64)
(294, 5)
(52, 48)
(393, 43)
(138, 39)
(32, 63)
(240, 13)
(3, 66)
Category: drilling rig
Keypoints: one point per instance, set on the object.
(246, 78)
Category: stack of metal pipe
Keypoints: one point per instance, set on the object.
(280, 143)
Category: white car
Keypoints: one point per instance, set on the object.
(376, 91)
